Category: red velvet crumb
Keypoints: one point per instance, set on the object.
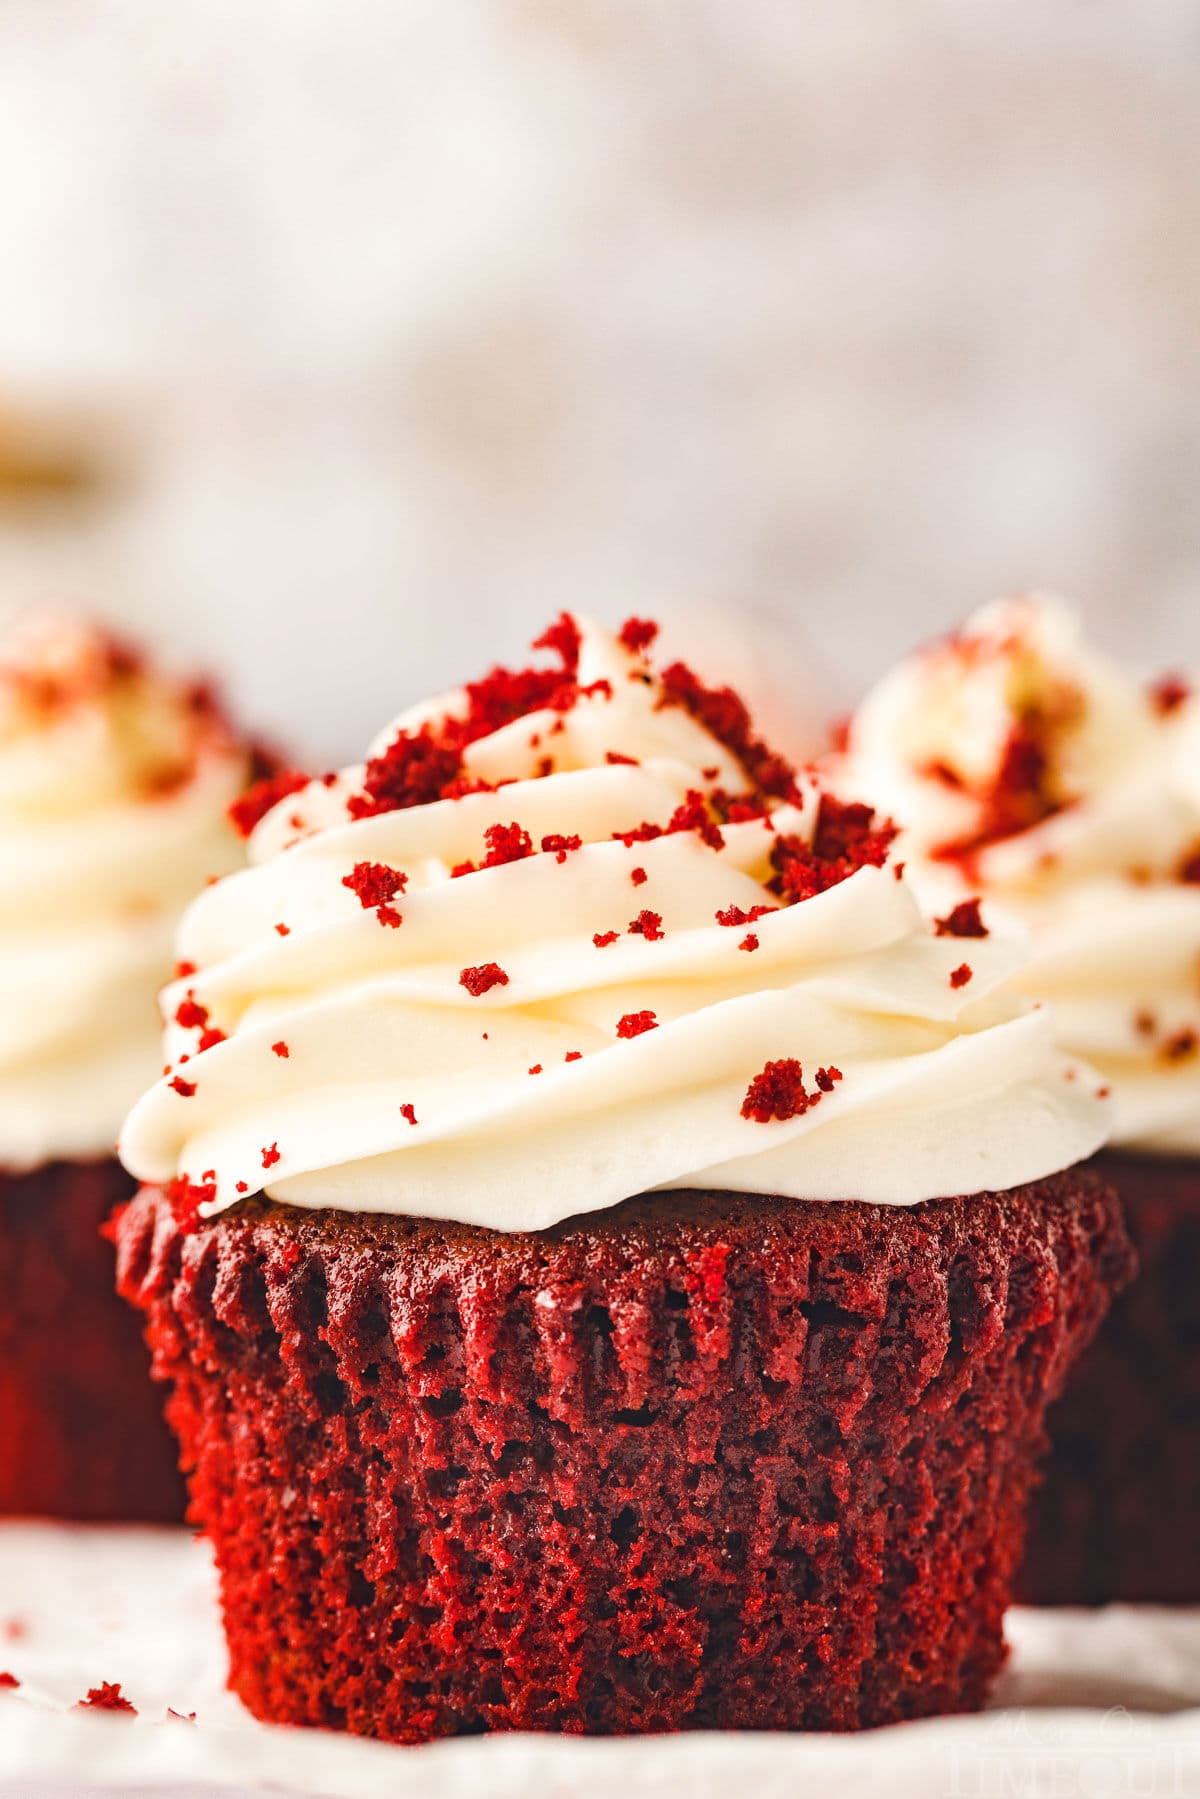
(285, 930)
(637, 634)
(749, 941)
(846, 839)
(778, 1092)
(506, 843)
(185, 1089)
(638, 876)
(573, 1055)
(964, 921)
(482, 979)
(734, 915)
(281, 1048)
(558, 846)
(536, 1069)
(8, 1680)
(258, 800)
(107, 1697)
(270, 1155)
(1189, 868)
(602, 939)
(961, 975)
(409, 1112)
(634, 1024)
(374, 883)
(1169, 693)
(185, 1198)
(727, 717)
(647, 924)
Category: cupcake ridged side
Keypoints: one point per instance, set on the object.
(704, 1460)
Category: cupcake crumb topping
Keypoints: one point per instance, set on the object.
(778, 1091)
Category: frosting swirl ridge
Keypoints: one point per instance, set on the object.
(605, 943)
(1027, 768)
(114, 787)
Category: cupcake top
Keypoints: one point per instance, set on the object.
(114, 786)
(574, 933)
(1028, 769)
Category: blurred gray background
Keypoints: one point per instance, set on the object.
(344, 341)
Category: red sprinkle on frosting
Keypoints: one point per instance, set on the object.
(727, 717)
(260, 799)
(778, 1092)
(374, 883)
(964, 921)
(419, 767)
(506, 843)
(107, 1697)
(846, 839)
(482, 979)
(560, 847)
(635, 1024)
(1169, 693)
(734, 915)
(637, 634)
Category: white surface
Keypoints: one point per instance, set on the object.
(1093, 1703)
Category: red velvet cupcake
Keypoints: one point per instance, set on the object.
(114, 784)
(484, 1442)
(1029, 770)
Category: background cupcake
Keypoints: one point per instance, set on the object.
(1029, 769)
(481, 1440)
(114, 786)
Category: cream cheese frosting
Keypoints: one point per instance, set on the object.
(1027, 768)
(114, 786)
(524, 1002)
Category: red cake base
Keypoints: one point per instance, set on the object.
(81, 1431)
(705, 1460)
(1119, 1514)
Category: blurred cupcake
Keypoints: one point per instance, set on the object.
(1030, 770)
(613, 1264)
(114, 785)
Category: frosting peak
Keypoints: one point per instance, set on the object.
(114, 783)
(572, 933)
(1026, 767)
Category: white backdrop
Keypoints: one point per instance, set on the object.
(397, 325)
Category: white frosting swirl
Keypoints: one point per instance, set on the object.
(1096, 879)
(943, 1088)
(114, 785)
